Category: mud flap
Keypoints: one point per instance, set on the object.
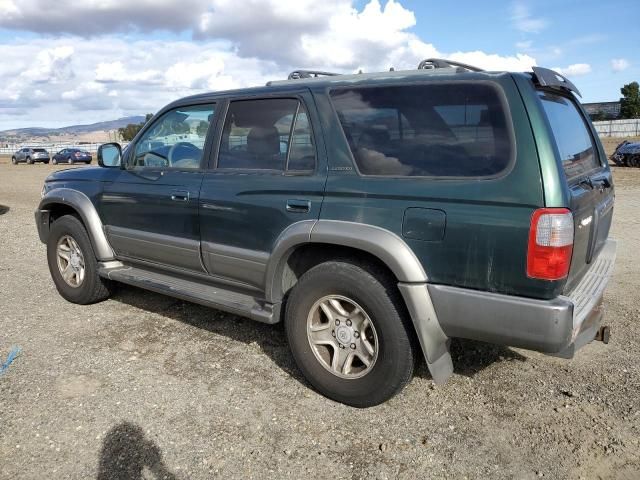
(434, 342)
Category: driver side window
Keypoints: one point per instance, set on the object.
(175, 140)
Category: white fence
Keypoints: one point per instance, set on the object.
(51, 147)
(618, 128)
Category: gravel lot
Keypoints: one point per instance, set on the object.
(145, 386)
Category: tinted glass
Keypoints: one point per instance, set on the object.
(574, 142)
(41, 150)
(256, 134)
(302, 151)
(176, 139)
(457, 130)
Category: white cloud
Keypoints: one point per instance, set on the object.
(523, 20)
(110, 75)
(93, 17)
(619, 64)
(575, 70)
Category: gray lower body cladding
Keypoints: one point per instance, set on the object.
(559, 326)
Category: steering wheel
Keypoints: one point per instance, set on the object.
(189, 148)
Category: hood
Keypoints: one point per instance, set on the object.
(95, 174)
(629, 148)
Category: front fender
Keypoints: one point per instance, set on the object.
(83, 206)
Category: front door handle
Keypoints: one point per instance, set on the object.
(298, 206)
(180, 196)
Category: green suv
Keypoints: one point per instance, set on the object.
(377, 215)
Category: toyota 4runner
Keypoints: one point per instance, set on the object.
(377, 215)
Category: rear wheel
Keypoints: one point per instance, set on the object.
(54, 160)
(73, 263)
(29, 161)
(349, 333)
(70, 161)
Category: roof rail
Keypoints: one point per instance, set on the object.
(432, 63)
(298, 74)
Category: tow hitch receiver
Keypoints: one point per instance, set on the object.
(603, 334)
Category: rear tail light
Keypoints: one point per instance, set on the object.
(550, 244)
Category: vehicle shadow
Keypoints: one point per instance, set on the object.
(271, 339)
(125, 454)
(3, 209)
(469, 357)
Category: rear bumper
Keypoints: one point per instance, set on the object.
(560, 326)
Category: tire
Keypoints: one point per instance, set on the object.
(70, 161)
(46, 162)
(29, 161)
(92, 288)
(54, 161)
(14, 161)
(376, 294)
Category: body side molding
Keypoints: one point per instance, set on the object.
(87, 211)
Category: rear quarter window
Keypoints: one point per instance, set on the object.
(577, 151)
(439, 129)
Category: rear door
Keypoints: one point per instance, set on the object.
(268, 174)
(587, 175)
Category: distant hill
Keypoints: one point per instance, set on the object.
(71, 130)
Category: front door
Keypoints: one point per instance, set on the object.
(150, 211)
(269, 174)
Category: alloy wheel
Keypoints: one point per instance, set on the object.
(70, 261)
(342, 337)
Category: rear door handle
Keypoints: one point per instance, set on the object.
(180, 196)
(298, 206)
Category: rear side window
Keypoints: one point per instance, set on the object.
(267, 134)
(574, 142)
(448, 130)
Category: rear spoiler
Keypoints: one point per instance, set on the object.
(550, 79)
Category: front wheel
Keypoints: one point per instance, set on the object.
(54, 161)
(14, 161)
(349, 332)
(70, 161)
(73, 263)
(29, 161)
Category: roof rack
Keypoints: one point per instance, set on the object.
(297, 74)
(433, 63)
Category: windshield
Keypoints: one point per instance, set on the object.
(577, 151)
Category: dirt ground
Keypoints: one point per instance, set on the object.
(145, 386)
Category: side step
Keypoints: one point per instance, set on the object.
(196, 292)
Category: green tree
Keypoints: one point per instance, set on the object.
(630, 101)
(131, 130)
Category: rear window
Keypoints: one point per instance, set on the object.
(450, 130)
(574, 142)
(39, 150)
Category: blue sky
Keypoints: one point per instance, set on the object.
(81, 62)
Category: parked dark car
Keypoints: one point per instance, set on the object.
(627, 154)
(72, 155)
(30, 155)
(377, 215)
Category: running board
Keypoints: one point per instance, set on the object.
(194, 291)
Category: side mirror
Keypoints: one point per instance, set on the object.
(110, 155)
